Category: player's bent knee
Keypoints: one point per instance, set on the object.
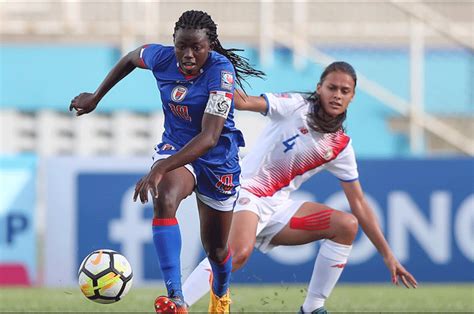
(165, 206)
(240, 256)
(348, 225)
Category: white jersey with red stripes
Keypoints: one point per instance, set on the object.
(289, 152)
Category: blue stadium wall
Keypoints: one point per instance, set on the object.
(37, 77)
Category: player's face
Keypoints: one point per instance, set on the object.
(191, 47)
(336, 92)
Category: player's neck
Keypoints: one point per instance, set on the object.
(189, 76)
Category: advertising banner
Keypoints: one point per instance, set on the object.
(17, 220)
(426, 211)
(425, 208)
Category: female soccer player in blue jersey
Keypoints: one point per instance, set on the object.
(304, 136)
(199, 147)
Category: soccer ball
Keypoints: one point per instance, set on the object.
(105, 276)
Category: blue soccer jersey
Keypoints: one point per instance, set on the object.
(185, 100)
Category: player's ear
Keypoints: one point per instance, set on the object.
(318, 89)
(353, 95)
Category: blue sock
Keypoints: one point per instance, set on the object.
(221, 275)
(167, 240)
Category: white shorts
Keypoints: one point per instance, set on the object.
(156, 156)
(226, 205)
(273, 216)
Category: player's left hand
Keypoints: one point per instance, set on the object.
(83, 103)
(148, 183)
(399, 272)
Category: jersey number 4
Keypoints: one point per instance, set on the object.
(289, 143)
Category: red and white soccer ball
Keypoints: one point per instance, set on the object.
(105, 276)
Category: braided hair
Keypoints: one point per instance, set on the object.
(318, 119)
(201, 20)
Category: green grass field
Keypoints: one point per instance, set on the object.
(345, 298)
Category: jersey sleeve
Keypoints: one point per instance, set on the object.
(152, 56)
(221, 86)
(280, 105)
(344, 166)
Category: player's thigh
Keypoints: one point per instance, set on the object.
(312, 223)
(175, 186)
(242, 235)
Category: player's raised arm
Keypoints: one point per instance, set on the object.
(242, 101)
(367, 220)
(87, 102)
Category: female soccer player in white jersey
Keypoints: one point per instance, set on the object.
(304, 136)
(199, 148)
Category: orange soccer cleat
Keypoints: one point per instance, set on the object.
(218, 305)
(164, 304)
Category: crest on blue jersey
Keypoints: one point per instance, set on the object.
(227, 80)
(178, 93)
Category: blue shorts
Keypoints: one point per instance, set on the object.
(215, 185)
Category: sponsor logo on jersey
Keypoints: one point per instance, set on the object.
(303, 130)
(227, 80)
(178, 93)
(328, 154)
(244, 200)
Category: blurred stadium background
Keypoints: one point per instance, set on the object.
(66, 182)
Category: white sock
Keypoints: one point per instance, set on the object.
(197, 284)
(328, 267)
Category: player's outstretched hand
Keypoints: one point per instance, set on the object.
(148, 183)
(399, 272)
(83, 103)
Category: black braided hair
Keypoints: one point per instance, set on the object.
(318, 119)
(201, 20)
